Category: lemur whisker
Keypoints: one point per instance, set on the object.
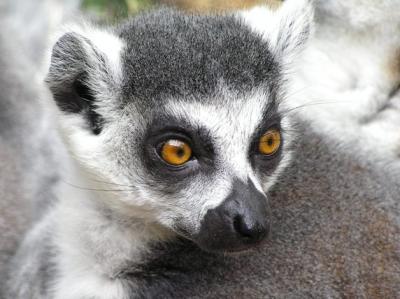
(95, 189)
(288, 96)
(110, 183)
(105, 182)
(310, 104)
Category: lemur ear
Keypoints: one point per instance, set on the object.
(287, 29)
(84, 73)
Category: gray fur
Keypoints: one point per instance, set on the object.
(214, 48)
(27, 166)
(29, 143)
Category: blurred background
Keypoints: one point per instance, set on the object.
(116, 9)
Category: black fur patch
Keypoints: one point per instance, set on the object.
(68, 80)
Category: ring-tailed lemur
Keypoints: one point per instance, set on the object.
(176, 129)
(334, 213)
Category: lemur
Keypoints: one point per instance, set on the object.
(175, 125)
(209, 92)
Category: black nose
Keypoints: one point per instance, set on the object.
(241, 221)
(249, 230)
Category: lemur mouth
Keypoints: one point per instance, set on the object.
(227, 245)
(231, 245)
(245, 250)
(240, 250)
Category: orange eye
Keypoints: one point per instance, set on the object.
(270, 142)
(176, 152)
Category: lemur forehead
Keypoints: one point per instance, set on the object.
(236, 111)
(171, 54)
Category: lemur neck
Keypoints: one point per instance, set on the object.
(97, 234)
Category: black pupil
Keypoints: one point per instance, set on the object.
(180, 152)
(270, 141)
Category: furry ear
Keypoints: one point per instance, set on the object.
(84, 70)
(287, 29)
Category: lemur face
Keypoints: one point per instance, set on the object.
(184, 114)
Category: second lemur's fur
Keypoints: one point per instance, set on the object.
(30, 149)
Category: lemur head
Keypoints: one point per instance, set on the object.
(183, 112)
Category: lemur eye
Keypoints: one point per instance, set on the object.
(176, 152)
(270, 142)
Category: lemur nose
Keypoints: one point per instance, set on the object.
(240, 222)
(249, 230)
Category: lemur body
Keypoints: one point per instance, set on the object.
(125, 227)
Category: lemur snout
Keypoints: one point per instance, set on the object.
(249, 230)
(239, 223)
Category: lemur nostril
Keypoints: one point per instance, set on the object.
(253, 232)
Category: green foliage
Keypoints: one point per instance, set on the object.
(115, 9)
(136, 5)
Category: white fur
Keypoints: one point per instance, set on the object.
(286, 29)
(92, 248)
(348, 73)
(87, 267)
